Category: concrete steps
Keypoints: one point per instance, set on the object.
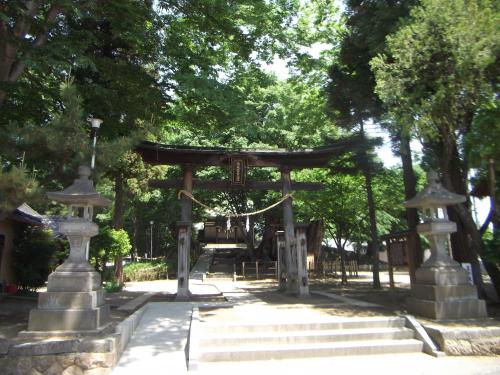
(339, 337)
(304, 337)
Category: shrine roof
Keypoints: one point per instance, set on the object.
(162, 154)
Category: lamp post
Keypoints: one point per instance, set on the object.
(151, 232)
(96, 123)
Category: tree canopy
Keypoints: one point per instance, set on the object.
(198, 73)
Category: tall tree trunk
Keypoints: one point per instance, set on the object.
(492, 187)
(491, 267)
(410, 183)
(466, 242)
(342, 265)
(315, 235)
(118, 218)
(374, 242)
(135, 239)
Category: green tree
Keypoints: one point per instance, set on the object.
(16, 187)
(351, 88)
(339, 207)
(437, 77)
(33, 257)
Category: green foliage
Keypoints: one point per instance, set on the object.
(32, 257)
(437, 74)
(351, 89)
(16, 187)
(113, 287)
(483, 139)
(56, 149)
(492, 247)
(341, 206)
(111, 243)
(144, 271)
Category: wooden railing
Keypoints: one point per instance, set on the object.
(259, 269)
(334, 267)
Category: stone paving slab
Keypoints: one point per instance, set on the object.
(345, 300)
(134, 304)
(407, 364)
(159, 342)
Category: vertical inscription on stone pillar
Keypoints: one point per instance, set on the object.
(282, 272)
(183, 259)
(302, 259)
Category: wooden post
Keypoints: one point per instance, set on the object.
(389, 262)
(257, 270)
(300, 235)
(290, 243)
(280, 244)
(243, 269)
(184, 243)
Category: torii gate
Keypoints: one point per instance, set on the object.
(293, 265)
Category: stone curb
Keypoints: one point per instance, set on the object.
(126, 329)
(429, 346)
(193, 339)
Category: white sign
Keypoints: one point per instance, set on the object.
(468, 268)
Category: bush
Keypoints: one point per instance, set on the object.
(33, 257)
(112, 287)
(144, 271)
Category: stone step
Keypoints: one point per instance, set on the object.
(348, 323)
(268, 352)
(300, 337)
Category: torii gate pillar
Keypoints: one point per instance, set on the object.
(184, 236)
(292, 279)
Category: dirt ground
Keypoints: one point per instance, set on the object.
(14, 311)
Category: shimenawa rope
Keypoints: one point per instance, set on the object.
(228, 214)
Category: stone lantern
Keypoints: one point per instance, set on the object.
(74, 301)
(442, 289)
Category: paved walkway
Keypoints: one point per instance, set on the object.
(159, 343)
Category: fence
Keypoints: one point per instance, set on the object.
(259, 269)
(333, 267)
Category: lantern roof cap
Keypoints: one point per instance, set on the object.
(82, 191)
(434, 195)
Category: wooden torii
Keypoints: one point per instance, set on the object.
(293, 266)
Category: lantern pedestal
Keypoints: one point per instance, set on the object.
(444, 293)
(74, 300)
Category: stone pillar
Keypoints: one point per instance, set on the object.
(290, 243)
(280, 245)
(300, 235)
(184, 236)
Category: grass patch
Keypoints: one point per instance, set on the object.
(144, 271)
